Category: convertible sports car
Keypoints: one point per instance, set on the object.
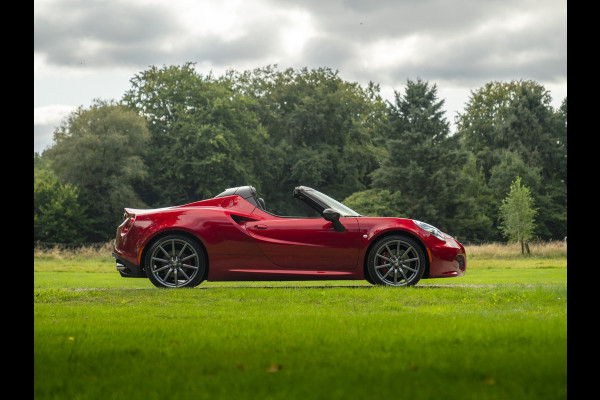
(232, 237)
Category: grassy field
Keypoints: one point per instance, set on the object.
(500, 332)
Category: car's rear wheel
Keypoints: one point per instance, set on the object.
(175, 261)
(396, 260)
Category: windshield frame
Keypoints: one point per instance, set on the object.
(323, 201)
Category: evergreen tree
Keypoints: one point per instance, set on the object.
(423, 161)
(474, 216)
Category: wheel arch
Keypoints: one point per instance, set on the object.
(168, 232)
(397, 232)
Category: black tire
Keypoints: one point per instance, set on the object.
(368, 277)
(396, 260)
(175, 261)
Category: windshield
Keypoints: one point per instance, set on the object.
(332, 203)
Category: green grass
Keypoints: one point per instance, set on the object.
(500, 332)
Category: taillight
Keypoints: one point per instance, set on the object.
(128, 223)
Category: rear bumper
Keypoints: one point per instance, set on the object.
(127, 269)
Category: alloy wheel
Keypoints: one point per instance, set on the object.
(396, 262)
(174, 262)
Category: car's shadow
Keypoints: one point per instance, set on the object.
(364, 287)
(286, 287)
(329, 287)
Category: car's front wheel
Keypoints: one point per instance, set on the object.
(175, 261)
(396, 260)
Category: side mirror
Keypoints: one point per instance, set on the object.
(331, 215)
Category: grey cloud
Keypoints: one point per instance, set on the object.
(331, 52)
(42, 137)
(106, 34)
(368, 20)
(459, 49)
(509, 55)
(74, 32)
(128, 33)
(260, 42)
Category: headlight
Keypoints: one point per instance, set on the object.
(430, 228)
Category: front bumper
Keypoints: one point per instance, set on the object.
(448, 259)
(128, 269)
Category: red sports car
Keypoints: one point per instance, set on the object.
(232, 237)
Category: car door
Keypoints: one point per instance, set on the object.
(307, 243)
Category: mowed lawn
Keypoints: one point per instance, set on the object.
(500, 332)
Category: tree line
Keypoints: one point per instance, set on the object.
(177, 136)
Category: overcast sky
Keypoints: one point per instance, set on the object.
(87, 49)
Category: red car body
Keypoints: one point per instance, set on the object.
(240, 241)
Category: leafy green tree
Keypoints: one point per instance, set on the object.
(517, 215)
(505, 116)
(423, 161)
(552, 223)
(320, 131)
(511, 166)
(58, 217)
(205, 136)
(99, 150)
(516, 118)
(375, 203)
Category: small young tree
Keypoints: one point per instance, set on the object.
(517, 215)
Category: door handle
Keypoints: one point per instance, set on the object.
(260, 226)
